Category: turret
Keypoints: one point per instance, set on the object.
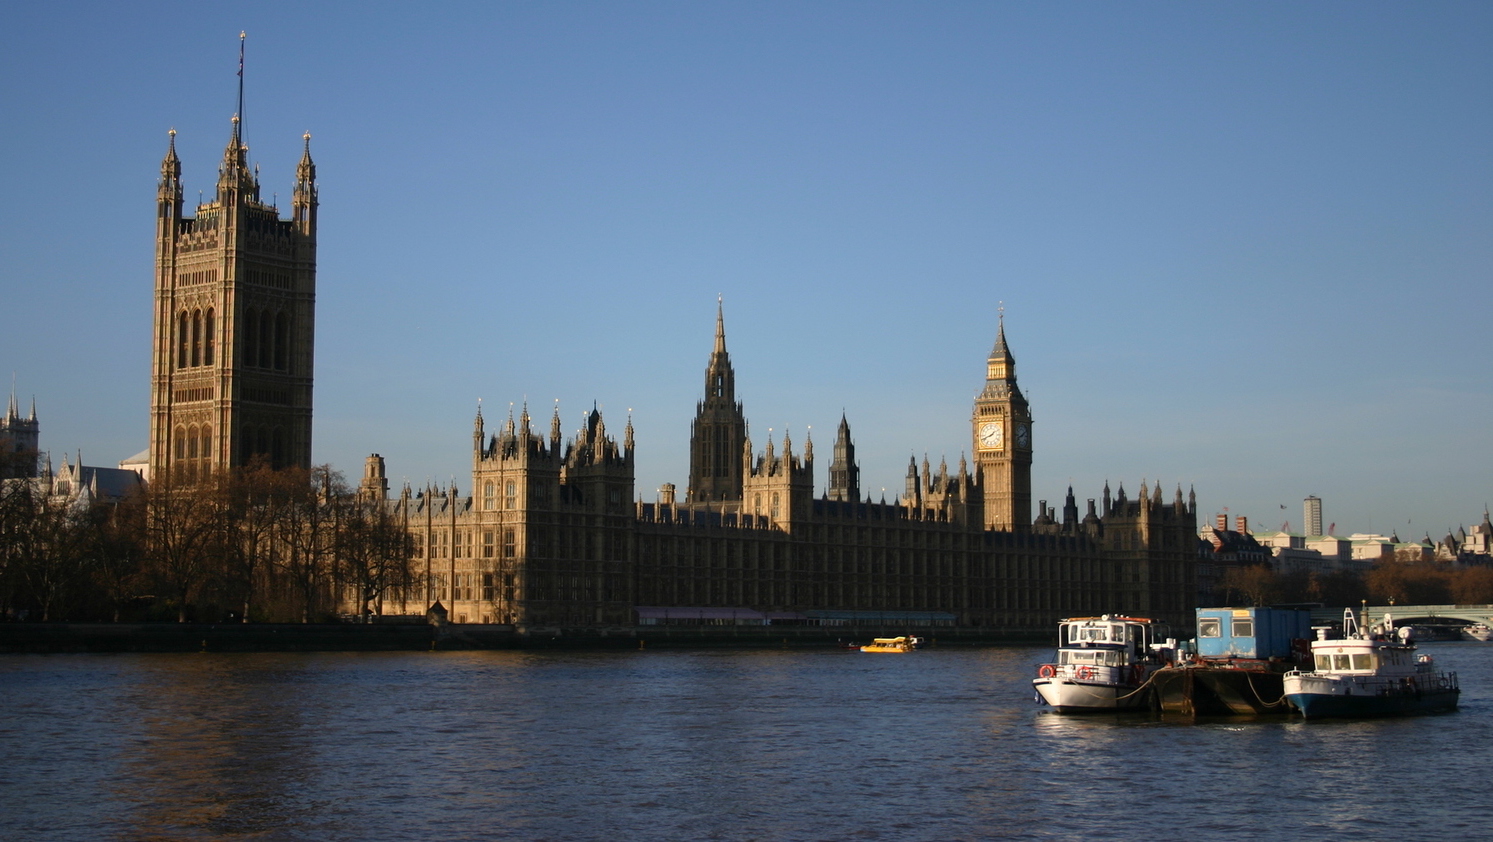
(304, 201)
(478, 433)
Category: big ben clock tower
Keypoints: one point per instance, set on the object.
(1002, 426)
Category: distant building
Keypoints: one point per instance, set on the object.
(20, 442)
(1311, 515)
(1223, 549)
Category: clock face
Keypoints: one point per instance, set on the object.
(991, 435)
(1023, 436)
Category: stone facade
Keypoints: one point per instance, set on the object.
(553, 536)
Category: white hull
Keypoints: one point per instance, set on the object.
(1073, 696)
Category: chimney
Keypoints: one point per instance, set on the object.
(1241, 524)
(1223, 523)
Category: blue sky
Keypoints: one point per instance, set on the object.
(1243, 247)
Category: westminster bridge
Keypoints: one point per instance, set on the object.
(1428, 614)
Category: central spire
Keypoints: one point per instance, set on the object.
(720, 326)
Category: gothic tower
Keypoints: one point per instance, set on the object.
(20, 441)
(235, 295)
(1002, 427)
(844, 473)
(719, 429)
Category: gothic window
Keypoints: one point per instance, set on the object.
(197, 337)
(510, 493)
(181, 443)
(266, 339)
(192, 443)
(509, 547)
(251, 337)
(277, 449)
(181, 340)
(282, 341)
(757, 504)
(209, 343)
(487, 545)
(488, 496)
(207, 443)
(774, 505)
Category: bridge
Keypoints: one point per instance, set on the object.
(1429, 614)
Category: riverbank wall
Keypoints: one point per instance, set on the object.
(346, 637)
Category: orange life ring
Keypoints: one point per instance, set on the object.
(1084, 673)
(1047, 671)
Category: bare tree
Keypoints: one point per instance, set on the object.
(309, 535)
(374, 551)
(184, 535)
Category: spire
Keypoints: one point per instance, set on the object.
(720, 326)
(627, 437)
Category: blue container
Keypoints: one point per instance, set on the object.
(1256, 633)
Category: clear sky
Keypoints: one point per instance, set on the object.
(1242, 246)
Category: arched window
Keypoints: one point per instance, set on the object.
(207, 443)
(196, 337)
(192, 443)
(488, 495)
(251, 337)
(209, 340)
(757, 504)
(266, 339)
(181, 443)
(282, 341)
(182, 330)
(510, 492)
(774, 505)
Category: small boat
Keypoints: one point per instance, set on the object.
(1103, 664)
(1478, 631)
(893, 644)
(1369, 673)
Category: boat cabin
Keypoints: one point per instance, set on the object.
(1107, 641)
(1251, 633)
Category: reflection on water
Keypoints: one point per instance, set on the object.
(940, 744)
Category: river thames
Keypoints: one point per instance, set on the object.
(943, 744)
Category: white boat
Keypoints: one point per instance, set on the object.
(1478, 631)
(1103, 664)
(1369, 673)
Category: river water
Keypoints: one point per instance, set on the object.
(942, 744)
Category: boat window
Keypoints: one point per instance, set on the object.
(1363, 661)
(1117, 633)
(1324, 663)
(1091, 633)
(1244, 628)
(1209, 627)
(1341, 662)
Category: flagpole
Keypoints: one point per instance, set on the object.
(241, 36)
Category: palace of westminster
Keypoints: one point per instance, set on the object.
(553, 534)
